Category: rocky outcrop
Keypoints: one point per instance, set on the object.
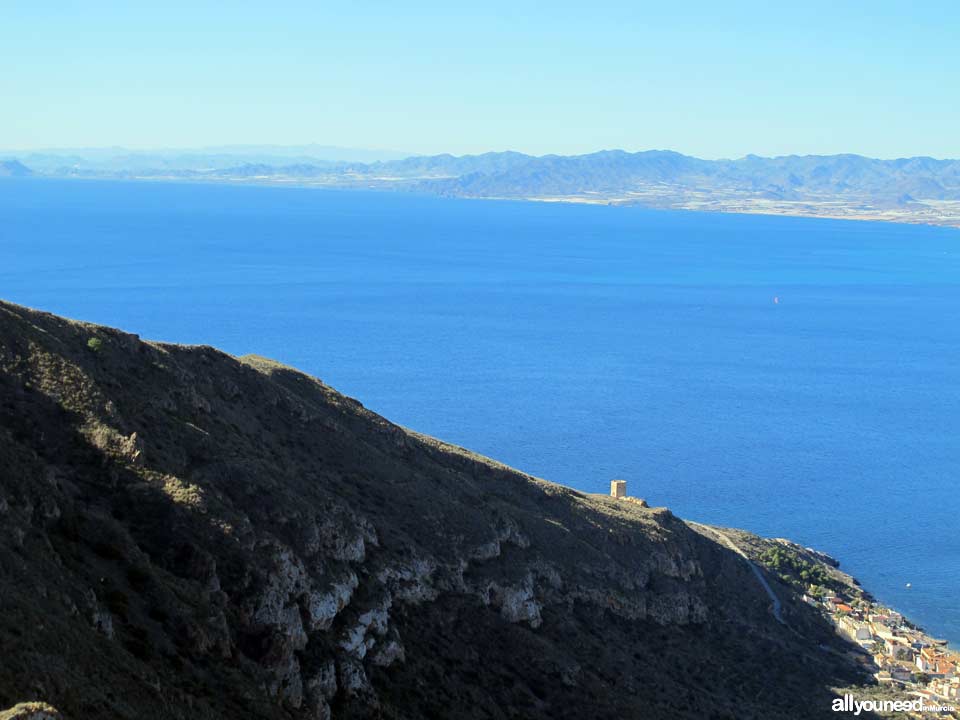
(31, 711)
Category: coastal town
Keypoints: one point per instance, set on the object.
(901, 655)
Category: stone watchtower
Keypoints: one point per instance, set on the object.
(618, 488)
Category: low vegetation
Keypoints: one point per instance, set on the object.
(794, 570)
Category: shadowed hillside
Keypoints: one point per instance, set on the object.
(193, 535)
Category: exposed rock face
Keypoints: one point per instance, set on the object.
(189, 535)
(31, 711)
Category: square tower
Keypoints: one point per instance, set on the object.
(618, 488)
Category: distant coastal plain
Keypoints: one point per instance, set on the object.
(945, 213)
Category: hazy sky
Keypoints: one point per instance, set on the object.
(714, 79)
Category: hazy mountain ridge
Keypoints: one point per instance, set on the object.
(14, 168)
(787, 177)
(916, 189)
(124, 161)
(192, 535)
(513, 173)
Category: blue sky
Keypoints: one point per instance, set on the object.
(711, 79)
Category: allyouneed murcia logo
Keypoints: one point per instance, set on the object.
(848, 704)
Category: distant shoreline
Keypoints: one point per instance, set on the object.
(925, 215)
(767, 208)
(912, 190)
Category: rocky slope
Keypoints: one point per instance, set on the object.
(191, 535)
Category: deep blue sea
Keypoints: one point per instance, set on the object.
(578, 343)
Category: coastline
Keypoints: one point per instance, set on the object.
(899, 653)
(930, 213)
(826, 210)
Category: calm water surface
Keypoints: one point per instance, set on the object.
(576, 343)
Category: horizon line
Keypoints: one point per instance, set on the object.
(239, 148)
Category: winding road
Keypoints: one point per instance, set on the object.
(776, 607)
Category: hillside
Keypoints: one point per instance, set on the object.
(193, 535)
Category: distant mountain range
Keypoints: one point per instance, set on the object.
(792, 177)
(14, 168)
(918, 189)
(125, 160)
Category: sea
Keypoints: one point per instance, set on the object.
(796, 377)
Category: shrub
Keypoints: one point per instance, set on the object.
(791, 568)
(95, 344)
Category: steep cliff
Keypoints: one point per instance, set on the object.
(191, 535)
